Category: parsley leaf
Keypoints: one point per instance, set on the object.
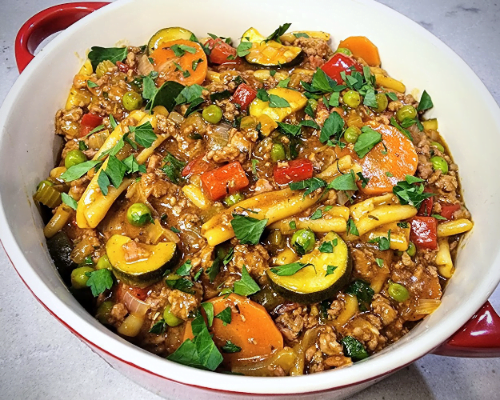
(277, 101)
(243, 49)
(77, 171)
(181, 49)
(392, 96)
(248, 230)
(184, 269)
(292, 225)
(182, 284)
(379, 262)
(82, 146)
(344, 182)
(159, 327)
(384, 243)
(194, 105)
(230, 347)
(246, 286)
(165, 96)
(262, 95)
(363, 179)
(404, 131)
(351, 227)
(283, 83)
(326, 247)
(309, 123)
(330, 269)
(353, 348)
(425, 102)
(333, 126)
(411, 194)
(403, 224)
(98, 54)
(438, 217)
(370, 99)
(208, 307)
(68, 200)
(103, 182)
(278, 32)
(144, 134)
(99, 280)
(149, 88)
(133, 166)
(311, 185)
(225, 316)
(112, 121)
(173, 168)
(366, 141)
(189, 94)
(301, 34)
(115, 170)
(317, 214)
(289, 129)
(288, 269)
(229, 256)
(363, 292)
(91, 84)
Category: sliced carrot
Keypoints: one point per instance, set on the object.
(362, 47)
(251, 329)
(187, 69)
(385, 166)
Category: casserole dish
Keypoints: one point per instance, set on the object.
(472, 283)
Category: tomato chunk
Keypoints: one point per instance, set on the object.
(122, 66)
(244, 95)
(295, 171)
(220, 51)
(424, 232)
(426, 206)
(197, 166)
(89, 121)
(338, 63)
(224, 180)
(447, 210)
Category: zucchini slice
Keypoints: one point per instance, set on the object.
(143, 271)
(270, 53)
(311, 284)
(60, 248)
(167, 35)
(296, 100)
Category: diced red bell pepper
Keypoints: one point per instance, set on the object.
(424, 232)
(89, 121)
(220, 51)
(426, 206)
(338, 63)
(447, 210)
(295, 171)
(122, 66)
(244, 95)
(197, 166)
(225, 180)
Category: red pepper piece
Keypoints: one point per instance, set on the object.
(426, 206)
(221, 52)
(338, 63)
(297, 170)
(447, 210)
(197, 166)
(89, 121)
(424, 232)
(244, 95)
(224, 180)
(140, 293)
(122, 66)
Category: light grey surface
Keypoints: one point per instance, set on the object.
(41, 359)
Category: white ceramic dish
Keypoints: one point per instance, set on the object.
(462, 104)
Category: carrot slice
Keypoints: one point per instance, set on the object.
(187, 68)
(251, 329)
(385, 166)
(362, 47)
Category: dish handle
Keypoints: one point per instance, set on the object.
(479, 337)
(45, 23)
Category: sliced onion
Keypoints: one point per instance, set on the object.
(134, 305)
(144, 66)
(219, 136)
(176, 117)
(427, 306)
(342, 197)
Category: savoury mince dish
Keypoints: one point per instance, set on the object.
(268, 205)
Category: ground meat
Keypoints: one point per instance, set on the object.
(182, 304)
(254, 257)
(290, 324)
(152, 184)
(315, 47)
(364, 331)
(66, 122)
(118, 314)
(238, 148)
(382, 307)
(229, 110)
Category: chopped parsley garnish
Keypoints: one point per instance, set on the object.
(300, 34)
(277, 101)
(380, 262)
(262, 95)
(330, 269)
(184, 269)
(159, 327)
(288, 269)
(173, 168)
(182, 284)
(189, 94)
(91, 84)
(370, 99)
(98, 54)
(425, 102)
(77, 171)
(243, 49)
(248, 230)
(403, 224)
(409, 193)
(99, 281)
(292, 225)
(283, 83)
(246, 286)
(289, 129)
(164, 96)
(309, 123)
(174, 229)
(230, 347)
(332, 127)
(353, 348)
(351, 227)
(144, 134)
(181, 49)
(317, 214)
(208, 307)
(311, 185)
(392, 96)
(68, 200)
(327, 247)
(366, 141)
(363, 179)
(404, 131)
(438, 217)
(195, 64)
(384, 243)
(278, 32)
(344, 182)
(363, 292)
(225, 316)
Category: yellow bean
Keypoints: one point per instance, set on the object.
(454, 227)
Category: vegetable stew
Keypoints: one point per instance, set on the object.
(276, 207)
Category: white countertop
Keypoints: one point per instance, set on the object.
(41, 359)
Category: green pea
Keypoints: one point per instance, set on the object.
(132, 101)
(352, 98)
(103, 68)
(79, 278)
(139, 214)
(74, 157)
(104, 311)
(382, 102)
(406, 112)
(438, 146)
(439, 163)
(103, 263)
(276, 238)
(232, 199)
(303, 240)
(277, 152)
(351, 134)
(170, 318)
(212, 114)
(343, 50)
(313, 103)
(398, 292)
(411, 250)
